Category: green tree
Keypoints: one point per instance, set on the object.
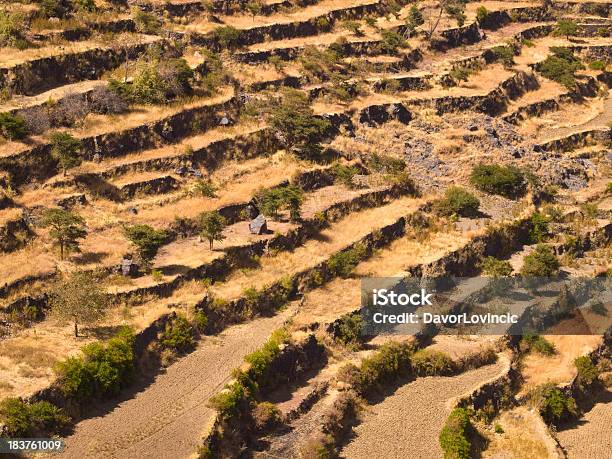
(145, 22)
(482, 14)
(227, 37)
(12, 127)
(587, 371)
(288, 197)
(79, 299)
(66, 228)
(65, 150)
(542, 262)
(212, 225)
(539, 227)
(254, 8)
(565, 28)
(294, 121)
(38, 419)
(148, 240)
(354, 27)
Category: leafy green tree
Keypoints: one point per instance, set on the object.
(542, 262)
(12, 127)
(66, 228)
(587, 370)
(79, 299)
(227, 36)
(294, 121)
(65, 150)
(565, 28)
(38, 419)
(212, 225)
(539, 227)
(288, 197)
(148, 240)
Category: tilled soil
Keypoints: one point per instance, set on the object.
(165, 420)
(592, 437)
(407, 424)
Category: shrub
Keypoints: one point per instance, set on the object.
(266, 416)
(38, 419)
(103, 370)
(343, 263)
(555, 407)
(481, 14)
(587, 371)
(561, 67)
(227, 36)
(386, 164)
(354, 27)
(344, 174)
(565, 28)
(12, 26)
(390, 362)
(55, 8)
(145, 22)
(427, 362)
(537, 343)
(391, 41)
(12, 127)
(493, 267)
(178, 335)
(506, 181)
(457, 201)
(104, 101)
(542, 262)
(539, 228)
(454, 437)
(503, 54)
(499, 429)
(348, 330)
(229, 401)
(414, 19)
(597, 65)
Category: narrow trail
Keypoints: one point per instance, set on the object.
(165, 420)
(407, 423)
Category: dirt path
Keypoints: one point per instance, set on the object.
(165, 419)
(592, 437)
(407, 423)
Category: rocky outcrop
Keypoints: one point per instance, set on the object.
(157, 185)
(375, 115)
(576, 140)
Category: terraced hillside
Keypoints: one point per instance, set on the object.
(181, 181)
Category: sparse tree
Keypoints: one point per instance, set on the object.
(79, 299)
(254, 8)
(148, 240)
(65, 150)
(453, 9)
(565, 28)
(211, 227)
(66, 229)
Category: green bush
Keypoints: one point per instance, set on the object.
(506, 181)
(555, 407)
(266, 416)
(12, 26)
(228, 37)
(205, 188)
(348, 330)
(499, 429)
(457, 201)
(103, 370)
(539, 228)
(38, 419)
(343, 263)
(481, 14)
(542, 262)
(148, 240)
(12, 127)
(597, 65)
(390, 362)
(344, 174)
(65, 150)
(504, 54)
(145, 22)
(561, 67)
(534, 342)
(454, 437)
(230, 400)
(428, 362)
(386, 164)
(587, 371)
(391, 41)
(493, 267)
(178, 335)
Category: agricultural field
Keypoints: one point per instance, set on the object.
(193, 193)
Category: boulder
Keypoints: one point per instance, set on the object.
(258, 225)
